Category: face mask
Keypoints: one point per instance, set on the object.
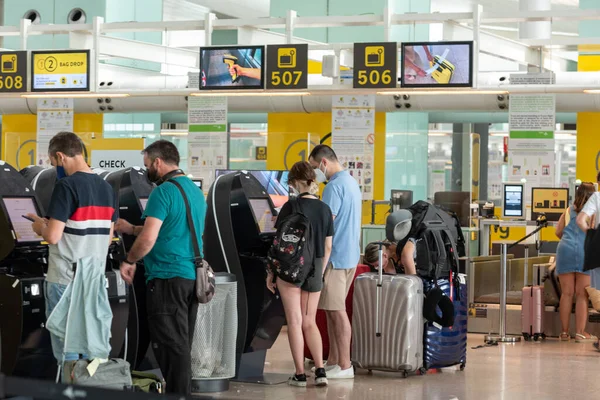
(321, 177)
(60, 172)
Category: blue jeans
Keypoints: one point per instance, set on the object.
(53, 293)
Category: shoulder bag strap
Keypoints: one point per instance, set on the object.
(190, 221)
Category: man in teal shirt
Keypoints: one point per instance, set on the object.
(165, 244)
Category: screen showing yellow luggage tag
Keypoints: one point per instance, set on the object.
(437, 64)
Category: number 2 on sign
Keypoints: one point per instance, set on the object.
(288, 78)
(374, 77)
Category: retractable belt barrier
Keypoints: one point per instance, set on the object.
(36, 389)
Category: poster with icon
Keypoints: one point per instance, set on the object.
(207, 139)
(53, 116)
(353, 138)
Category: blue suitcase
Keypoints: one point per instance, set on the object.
(447, 346)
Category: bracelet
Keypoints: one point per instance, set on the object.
(129, 262)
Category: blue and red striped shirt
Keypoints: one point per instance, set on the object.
(88, 206)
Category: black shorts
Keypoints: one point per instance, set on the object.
(314, 281)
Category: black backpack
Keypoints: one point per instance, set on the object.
(291, 257)
(439, 240)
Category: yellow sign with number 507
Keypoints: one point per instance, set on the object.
(287, 66)
(286, 78)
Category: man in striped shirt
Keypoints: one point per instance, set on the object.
(80, 223)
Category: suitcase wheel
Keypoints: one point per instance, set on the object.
(463, 366)
(526, 336)
(370, 371)
(423, 371)
(405, 374)
(543, 336)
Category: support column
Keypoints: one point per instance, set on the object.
(535, 29)
(484, 138)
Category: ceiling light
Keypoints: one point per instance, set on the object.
(592, 91)
(66, 95)
(443, 92)
(248, 94)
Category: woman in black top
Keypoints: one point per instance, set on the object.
(300, 301)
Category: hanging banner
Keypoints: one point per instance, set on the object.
(532, 122)
(53, 116)
(353, 138)
(207, 140)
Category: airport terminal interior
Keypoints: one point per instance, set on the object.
(484, 111)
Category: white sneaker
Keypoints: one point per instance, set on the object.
(327, 368)
(337, 373)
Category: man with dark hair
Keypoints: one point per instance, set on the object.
(80, 223)
(342, 194)
(165, 244)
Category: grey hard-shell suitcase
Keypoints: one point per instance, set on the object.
(387, 322)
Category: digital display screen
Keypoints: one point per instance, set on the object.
(274, 182)
(240, 67)
(198, 182)
(16, 208)
(437, 64)
(263, 215)
(143, 202)
(550, 201)
(513, 200)
(66, 70)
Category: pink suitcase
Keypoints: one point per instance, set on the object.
(532, 312)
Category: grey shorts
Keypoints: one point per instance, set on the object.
(314, 281)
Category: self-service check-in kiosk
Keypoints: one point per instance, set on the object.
(238, 233)
(133, 189)
(25, 343)
(42, 180)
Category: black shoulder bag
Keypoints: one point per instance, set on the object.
(205, 277)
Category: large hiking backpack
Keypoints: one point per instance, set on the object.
(291, 257)
(439, 240)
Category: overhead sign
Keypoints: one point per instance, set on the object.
(287, 66)
(113, 160)
(13, 71)
(261, 153)
(375, 65)
(56, 71)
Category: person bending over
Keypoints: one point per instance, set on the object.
(300, 301)
(165, 244)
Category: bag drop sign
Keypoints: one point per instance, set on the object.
(60, 70)
(114, 160)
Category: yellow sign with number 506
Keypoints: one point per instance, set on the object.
(375, 65)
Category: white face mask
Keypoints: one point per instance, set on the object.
(321, 177)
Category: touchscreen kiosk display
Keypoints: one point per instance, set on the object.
(16, 208)
(263, 215)
(143, 202)
(513, 201)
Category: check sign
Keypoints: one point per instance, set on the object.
(287, 66)
(375, 65)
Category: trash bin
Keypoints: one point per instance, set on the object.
(215, 337)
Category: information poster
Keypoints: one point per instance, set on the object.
(55, 71)
(53, 116)
(353, 138)
(207, 140)
(532, 122)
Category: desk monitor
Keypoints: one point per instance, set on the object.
(513, 200)
(401, 199)
(261, 209)
(198, 182)
(16, 207)
(550, 201)
(143, 203)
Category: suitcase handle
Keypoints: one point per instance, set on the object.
(379, 290)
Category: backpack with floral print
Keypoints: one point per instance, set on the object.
(291, 256)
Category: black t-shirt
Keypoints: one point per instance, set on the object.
(320, 217)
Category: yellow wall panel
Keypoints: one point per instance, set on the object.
(19, 137)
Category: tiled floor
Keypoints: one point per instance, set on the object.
(549, 370)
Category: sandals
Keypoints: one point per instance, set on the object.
(579, 338)
(565, 337)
